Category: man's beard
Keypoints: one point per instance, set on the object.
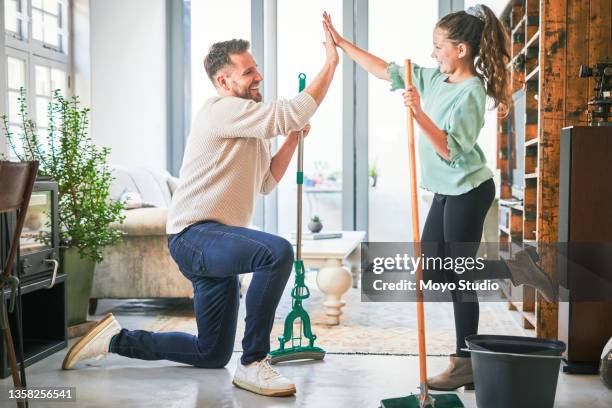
(245, 93)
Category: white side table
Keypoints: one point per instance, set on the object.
(333, 277)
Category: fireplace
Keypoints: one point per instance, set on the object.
(39, 242)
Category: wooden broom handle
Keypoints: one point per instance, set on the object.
(416, 237)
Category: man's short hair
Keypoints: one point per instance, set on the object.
(219, 55)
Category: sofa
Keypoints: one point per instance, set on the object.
(140, 266)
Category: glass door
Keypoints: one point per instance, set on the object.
(300, 36)
(389, 191)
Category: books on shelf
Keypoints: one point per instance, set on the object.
(318, 235)
(510, 202)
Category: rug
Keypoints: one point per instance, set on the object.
(365, 328)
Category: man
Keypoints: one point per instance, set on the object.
(227, 162)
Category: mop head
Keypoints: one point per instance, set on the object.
(296, 353)
(412, 401)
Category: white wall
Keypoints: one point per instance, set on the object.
(128, 80)
(80, 49)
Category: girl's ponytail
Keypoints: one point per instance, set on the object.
(493, 57)
(490, 47)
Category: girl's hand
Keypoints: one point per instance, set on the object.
(412, 100)
(327, 23)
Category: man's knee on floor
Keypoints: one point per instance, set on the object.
(215, 360)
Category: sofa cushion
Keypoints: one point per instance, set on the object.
(152, 185)
(132, 199)
(143, 222)
(173, 183)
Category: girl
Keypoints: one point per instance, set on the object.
(472, 50)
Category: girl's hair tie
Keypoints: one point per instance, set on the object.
(477, 12)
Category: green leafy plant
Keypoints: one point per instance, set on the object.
(315, 219)
(373, 170)
(80, 168)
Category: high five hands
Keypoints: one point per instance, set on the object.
(329, 28)
(411, 96)
(331, 54)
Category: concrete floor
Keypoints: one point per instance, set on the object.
(338, 381)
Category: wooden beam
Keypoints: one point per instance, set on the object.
(553, 44)
(577, 94)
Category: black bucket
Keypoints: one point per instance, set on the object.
(512, 371)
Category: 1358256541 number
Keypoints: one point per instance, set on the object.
(43, 393)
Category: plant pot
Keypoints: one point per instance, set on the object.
(373, 180)
(79, 280)
(315, 226)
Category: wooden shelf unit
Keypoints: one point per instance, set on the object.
(550, 40)
(522, 19)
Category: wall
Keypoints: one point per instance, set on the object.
(81, 53)
(128, 79)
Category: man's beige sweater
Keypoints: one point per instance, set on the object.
(227, 158)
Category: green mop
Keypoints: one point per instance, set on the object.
(424, 399)
(299, 350)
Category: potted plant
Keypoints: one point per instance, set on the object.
(315, 224)
(80, 169)
(373, 174)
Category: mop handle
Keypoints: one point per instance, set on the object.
(300, 180)
(416, 238)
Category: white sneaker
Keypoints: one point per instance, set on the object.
(259, 377)
(94, 344)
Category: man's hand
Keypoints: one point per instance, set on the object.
(283, 156)
(295, 134)
(328, 26)
(331, 54)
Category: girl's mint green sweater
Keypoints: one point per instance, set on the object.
(458, 109)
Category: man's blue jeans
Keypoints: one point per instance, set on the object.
(212, 255)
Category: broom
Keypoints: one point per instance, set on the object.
(300, 349)
(424, 399)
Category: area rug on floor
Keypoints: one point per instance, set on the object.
(365, 328)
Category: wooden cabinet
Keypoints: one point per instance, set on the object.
(585, 236)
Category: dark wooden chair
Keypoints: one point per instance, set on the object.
(16, 184)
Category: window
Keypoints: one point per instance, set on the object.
(16, 73)
(206, 29)
(15, 18)
(301, 51)
(37, 61)
(389, 192)
(48, 79)
(49, 23)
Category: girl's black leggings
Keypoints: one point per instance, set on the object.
(453, 229)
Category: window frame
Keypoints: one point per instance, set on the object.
(36, 47)
(24, 21)
(46, 50)
(22, 55)
(32, 95)
(36, 52)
